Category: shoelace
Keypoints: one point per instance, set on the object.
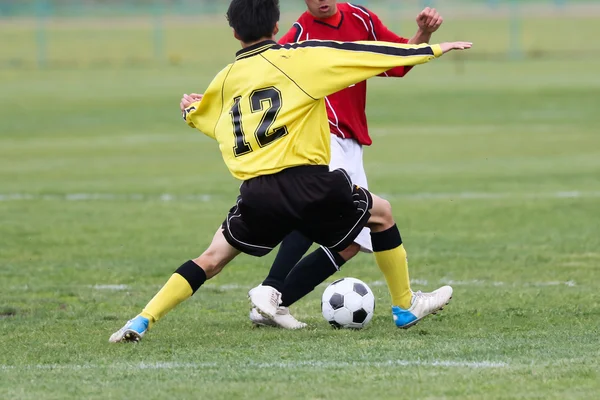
(423, 295)
(275, 298)
(427, 297)
(418, 293)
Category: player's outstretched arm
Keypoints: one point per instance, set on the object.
(341, 64)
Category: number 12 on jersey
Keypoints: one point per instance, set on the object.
(264, 134)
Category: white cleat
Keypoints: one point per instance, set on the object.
(422, 305)
(133, 331)
(266, 299)
(283, 319)
(258, 320)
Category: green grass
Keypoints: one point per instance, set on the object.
(475, 156)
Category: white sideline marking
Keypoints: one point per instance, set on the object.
(267, 365)
(480, 282)
(110, 287)
(412, 281)
(576, 194)
(478, 130)
(229, 286)
(556, 283)
(474, 282)
(167, 197)
(236, 286)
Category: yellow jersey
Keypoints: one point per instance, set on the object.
(267, 111)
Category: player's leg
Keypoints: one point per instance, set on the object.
(334, 221)
(390, 253)
(184, 282)
(295, 276)
(295, 245)
(315, 268)
(312, 270)
(337, 228)
(408, 307)
(291, 250)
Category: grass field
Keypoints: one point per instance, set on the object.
(493, 170)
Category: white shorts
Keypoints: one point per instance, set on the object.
(348, 154)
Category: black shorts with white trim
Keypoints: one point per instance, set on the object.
(325, 206)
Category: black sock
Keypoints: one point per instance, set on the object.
(293, 247)
(308, 273)
(193, 274)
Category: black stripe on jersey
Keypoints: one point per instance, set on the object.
(380, 48)
(254, 49)
(329, 25)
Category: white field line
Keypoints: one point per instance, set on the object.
(424, 282)
(575, 194)
(451, 130)
(166, 197)
(418, 282)
(312, 364)
(119, 287)
(480, 282)
(110, 287)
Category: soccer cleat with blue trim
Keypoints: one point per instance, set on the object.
(422, 305)
(133, 331)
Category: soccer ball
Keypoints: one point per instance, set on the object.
(348, 303)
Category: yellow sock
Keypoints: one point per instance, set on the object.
(394, 265)
(175, 291)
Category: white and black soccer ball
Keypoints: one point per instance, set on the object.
(348, 303)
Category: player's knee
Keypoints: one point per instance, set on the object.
(381, 215)
(350, 251)
(386, 211)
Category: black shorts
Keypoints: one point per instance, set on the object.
(325, 206)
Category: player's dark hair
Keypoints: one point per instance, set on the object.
(253, 19)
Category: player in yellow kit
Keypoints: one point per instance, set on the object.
(266, 111)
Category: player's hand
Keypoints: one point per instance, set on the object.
(188, 99)
(196, 96)
(429, 20)
(448, 46)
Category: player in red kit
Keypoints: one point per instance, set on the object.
(329, 20)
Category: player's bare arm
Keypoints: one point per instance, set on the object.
(428, 21)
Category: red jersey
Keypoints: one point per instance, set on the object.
(346, 108)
